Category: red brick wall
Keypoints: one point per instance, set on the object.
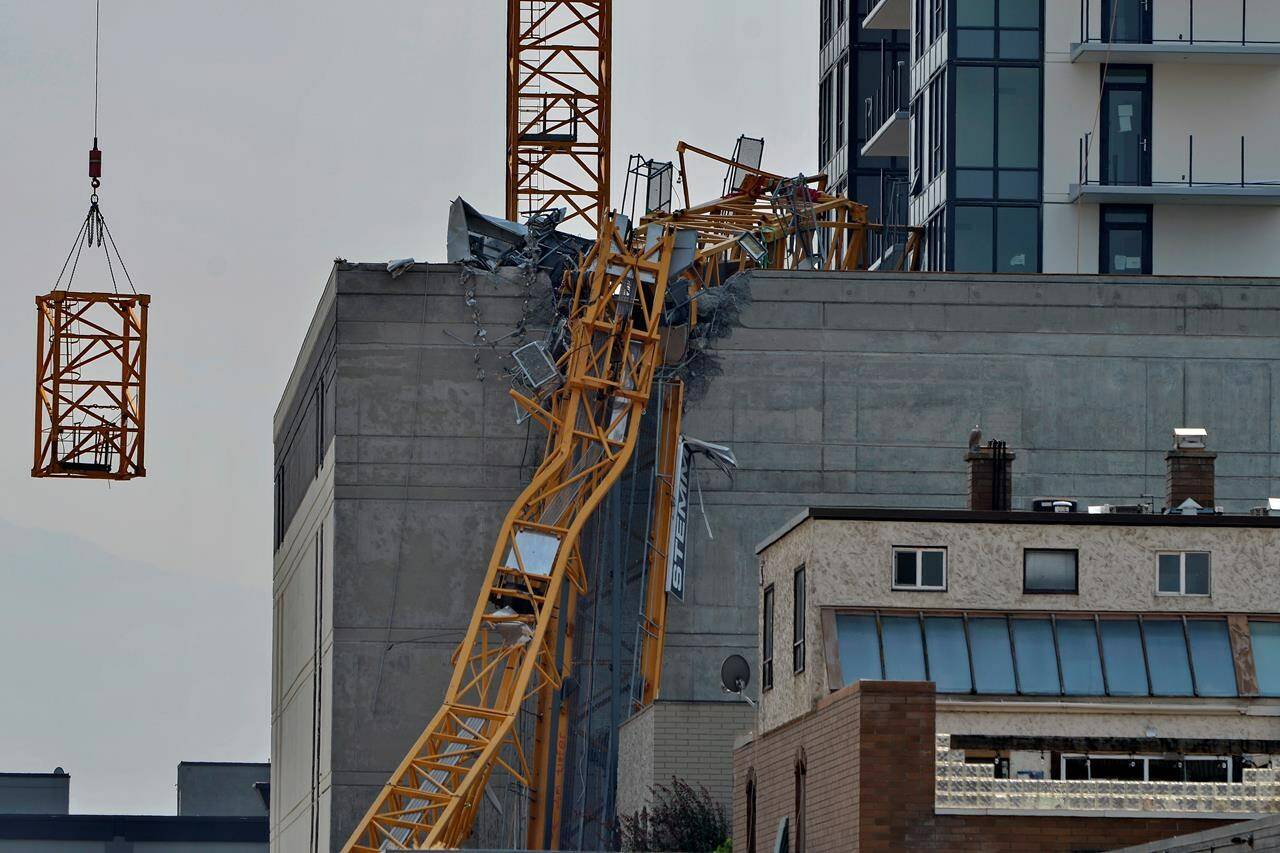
(869, 754)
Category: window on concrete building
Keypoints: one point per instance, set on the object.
(766, 640)
(1182, 573)
(824, 22)
(1266, 655)
(842, 87)
(824, 120)
(797, 621)
(1050, 570)
(938, 20)
(937, 125)
(840, 11)
(998, 29)
(920, 568)
(920, 27)
(1124, 240)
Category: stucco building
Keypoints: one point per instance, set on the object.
(1099, 662)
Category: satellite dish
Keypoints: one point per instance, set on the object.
(735, 674)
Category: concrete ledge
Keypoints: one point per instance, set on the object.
(1257, 195)
(1211, 53)
(888, 15)
(892, 139)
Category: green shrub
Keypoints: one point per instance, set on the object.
(680, 820)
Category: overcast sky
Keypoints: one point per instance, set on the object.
(246, 145)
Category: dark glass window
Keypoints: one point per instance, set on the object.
(859, 648)
(1078, 651)
(937, 125)
(1049, 570)
(974, 238)
(920, 568)
(842, 82)
(1122, 655)
(1266, 655)
(1183, 573)
(1211, 657)
(948, 654)
(766, 639)
(1124, 244)
(1019, 109)
(1009, 29)
(824, 120)
(992, 660)
(903, 648)
(1036, 657)
(1017, 239)
(824, 22)
(797, 621)
(1167, 657)
(975, 116)
(1119, 769)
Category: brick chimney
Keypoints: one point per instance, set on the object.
(990, 475)
(1190, 469)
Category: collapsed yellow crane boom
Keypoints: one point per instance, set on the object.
(509, 653)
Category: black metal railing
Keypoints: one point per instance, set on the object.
(1094, 26)
(1091, 171)
(891, 97)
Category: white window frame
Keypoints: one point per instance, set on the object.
(1146, 764)
(1182, 574)
(918, 550)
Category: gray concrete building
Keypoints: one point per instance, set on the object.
(221, 809)
(35, 793)
(397, 452)
(211, 788)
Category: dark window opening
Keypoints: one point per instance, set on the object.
(766, 666)
(1124, 242)
(797, 622)
(1050, 571)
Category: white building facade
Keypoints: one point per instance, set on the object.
(1064, 136)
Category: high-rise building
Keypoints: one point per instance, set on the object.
(1081, 136)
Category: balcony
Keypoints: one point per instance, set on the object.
(1223, 38)
(886, 119)
(888, 15)
(962, 788)
(1206, 180)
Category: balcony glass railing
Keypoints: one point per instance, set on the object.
(1207, 23)
(1203, 166)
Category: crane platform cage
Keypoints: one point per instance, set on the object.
(91, 368)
